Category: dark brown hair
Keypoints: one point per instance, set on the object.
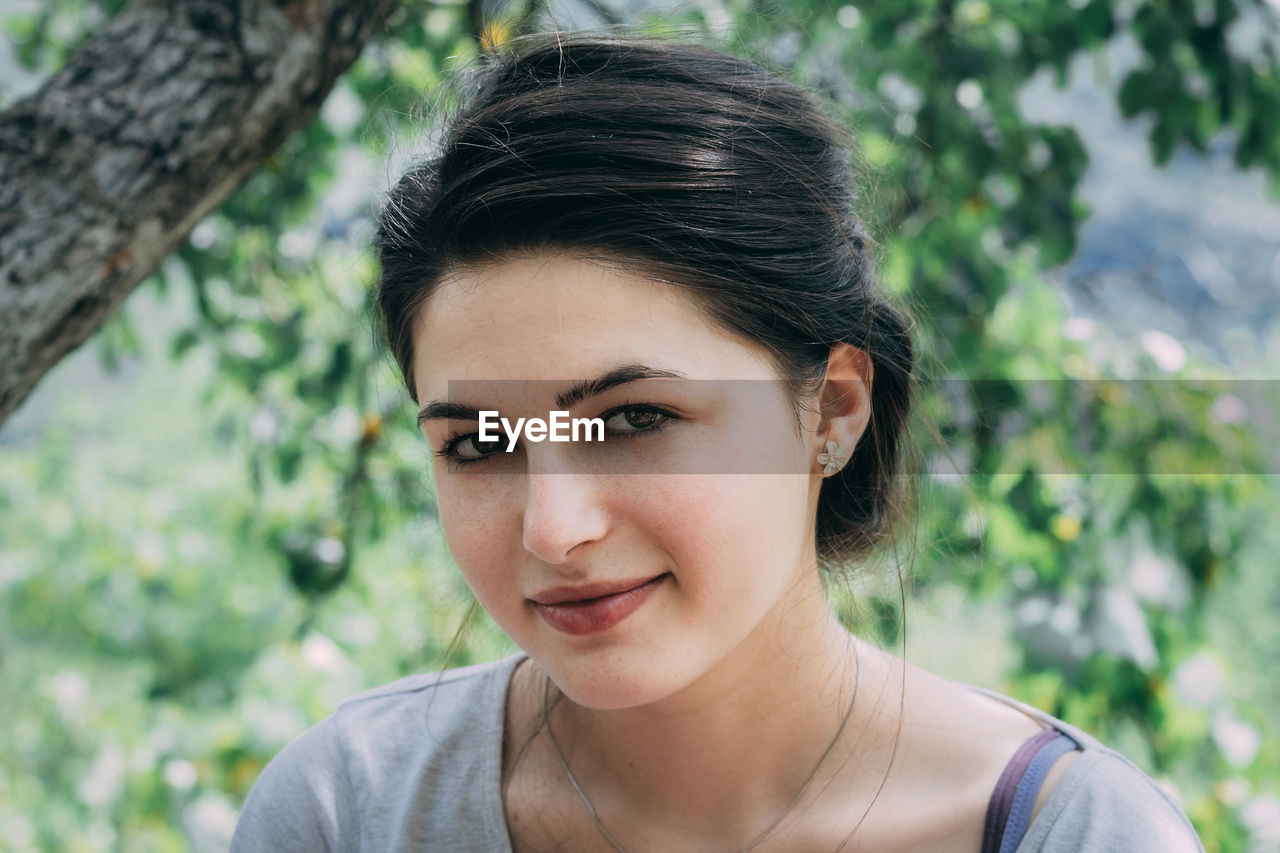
(686, 165)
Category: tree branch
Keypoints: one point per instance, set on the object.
(148, 128)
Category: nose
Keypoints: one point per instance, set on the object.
(561, 512)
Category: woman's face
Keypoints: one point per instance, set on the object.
(683, 512)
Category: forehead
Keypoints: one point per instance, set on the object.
(557, 317)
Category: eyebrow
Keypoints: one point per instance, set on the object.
(567, 399)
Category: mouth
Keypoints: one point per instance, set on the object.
(588, 592)
(594, 608)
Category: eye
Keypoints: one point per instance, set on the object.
(634, 419)
(470, 448)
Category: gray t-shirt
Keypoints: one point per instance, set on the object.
(414, 766)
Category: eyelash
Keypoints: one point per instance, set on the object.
(668, 418)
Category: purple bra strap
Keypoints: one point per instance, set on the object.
(1024, 799)
(1002, 797)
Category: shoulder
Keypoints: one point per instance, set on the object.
(387, 760)
(302, 795)
(432, 709)
(1102, 801)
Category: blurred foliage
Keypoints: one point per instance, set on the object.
(181, 597)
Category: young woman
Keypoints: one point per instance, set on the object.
(662, 237)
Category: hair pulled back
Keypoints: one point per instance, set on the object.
(685, 165)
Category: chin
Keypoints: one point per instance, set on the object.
(614, 686)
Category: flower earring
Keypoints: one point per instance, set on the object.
(833, 458)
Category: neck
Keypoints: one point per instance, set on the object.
(723, 757)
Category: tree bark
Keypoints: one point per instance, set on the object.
(147, 129)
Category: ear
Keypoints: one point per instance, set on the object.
(844, 400)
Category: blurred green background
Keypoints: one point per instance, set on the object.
(216, 520)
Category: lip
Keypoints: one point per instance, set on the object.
(587, 591)
(596, 607)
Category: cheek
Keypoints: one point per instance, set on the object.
(473, 516)
(718, 527)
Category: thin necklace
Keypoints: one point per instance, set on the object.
(546, 685)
